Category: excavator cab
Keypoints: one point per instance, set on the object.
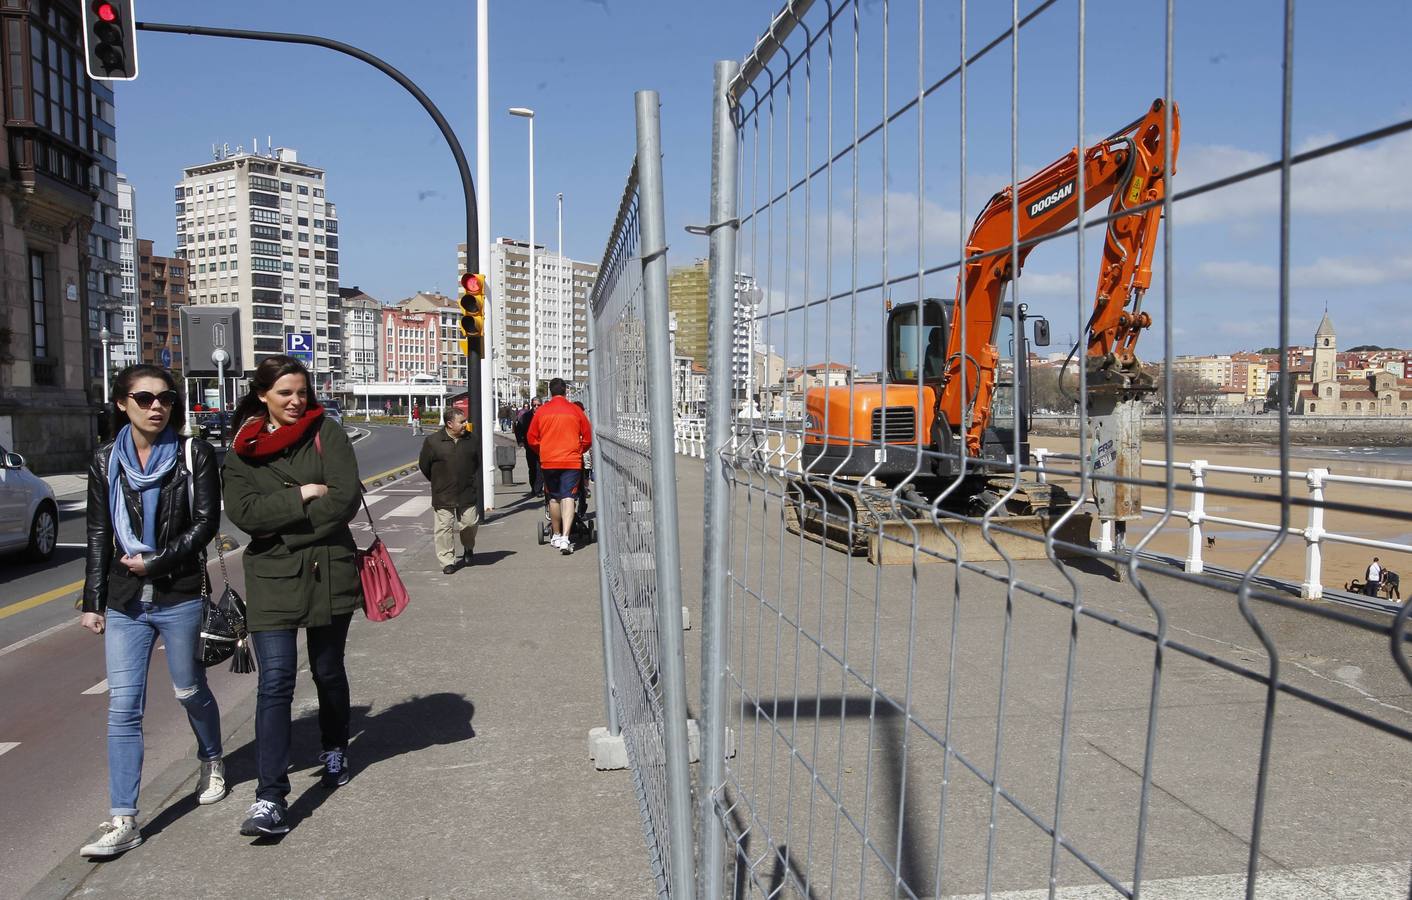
(917, 347)
(917, 336)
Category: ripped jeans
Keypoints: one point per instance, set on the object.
(129, 638)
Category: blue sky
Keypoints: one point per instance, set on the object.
(577, 62)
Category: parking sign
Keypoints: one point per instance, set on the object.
(300, 345)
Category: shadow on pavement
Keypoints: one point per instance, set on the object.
(405, 727)
(491, 557)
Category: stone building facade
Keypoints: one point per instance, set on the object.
(50, 387)
(1323, 393)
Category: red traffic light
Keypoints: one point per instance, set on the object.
(105, 11)
(471, 283)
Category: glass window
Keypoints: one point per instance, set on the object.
(38, 306)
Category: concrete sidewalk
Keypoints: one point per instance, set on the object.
(470, 769)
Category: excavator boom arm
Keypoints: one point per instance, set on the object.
(1128, 169)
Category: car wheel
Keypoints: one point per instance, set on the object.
(43, 533)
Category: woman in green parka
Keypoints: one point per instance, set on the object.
(291, 482)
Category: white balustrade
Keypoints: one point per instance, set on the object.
(1316, 481)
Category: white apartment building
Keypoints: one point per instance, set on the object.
(561, 316)
(362, 321)
(126, 352)
(259, 233)
(746, 335)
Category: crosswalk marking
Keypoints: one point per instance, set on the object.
(374, 499)
(99, 688)
(414, 507)
(7, 746)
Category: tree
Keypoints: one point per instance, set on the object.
(1186, 388)
(1046, 394)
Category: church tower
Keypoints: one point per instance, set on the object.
(1325, 352)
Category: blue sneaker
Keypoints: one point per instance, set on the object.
(265, 817)
(335, 772)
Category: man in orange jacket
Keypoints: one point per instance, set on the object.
(560, 433)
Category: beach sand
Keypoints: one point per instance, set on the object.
(1236, 547)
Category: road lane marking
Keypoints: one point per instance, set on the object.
(39, 599)
(41, 635)
(59, 592)
(392, 471)
(414, 507)
(99, 688)
(7, 746)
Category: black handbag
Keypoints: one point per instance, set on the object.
(223, 631)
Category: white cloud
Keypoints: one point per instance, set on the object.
(1361, 180)
(940, 227)
(1047, 284)
(1324, 272)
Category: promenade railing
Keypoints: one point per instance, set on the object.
(1316, 481)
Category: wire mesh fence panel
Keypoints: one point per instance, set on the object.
(636, 484)
(953, 667)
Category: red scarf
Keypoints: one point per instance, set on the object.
(257, 443)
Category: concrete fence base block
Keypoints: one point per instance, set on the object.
(607, 751)
(693, 741)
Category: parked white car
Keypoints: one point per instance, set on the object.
(29, 515)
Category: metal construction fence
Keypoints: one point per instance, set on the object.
(940, 679)
(634, 466)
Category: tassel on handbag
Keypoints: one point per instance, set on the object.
(242, 662)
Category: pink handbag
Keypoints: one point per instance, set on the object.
(384, 594)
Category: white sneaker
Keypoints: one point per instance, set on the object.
(117, 835)
(557, 542)
(211, 786)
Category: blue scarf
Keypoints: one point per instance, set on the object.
(147, 482)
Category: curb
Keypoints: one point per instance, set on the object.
(69, 875)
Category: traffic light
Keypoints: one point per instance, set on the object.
(472, 310)
(110, 39)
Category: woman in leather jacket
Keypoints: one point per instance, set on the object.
(149, 521)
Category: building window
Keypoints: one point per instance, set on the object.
(38, 308)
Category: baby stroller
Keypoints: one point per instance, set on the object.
(584, 529)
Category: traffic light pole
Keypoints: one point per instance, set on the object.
(473, 353)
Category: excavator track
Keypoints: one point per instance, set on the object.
(851, 517)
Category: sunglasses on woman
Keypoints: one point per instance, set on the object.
(145, 399)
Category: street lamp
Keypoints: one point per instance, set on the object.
(560, 277)
(105, 337)
(526, 113)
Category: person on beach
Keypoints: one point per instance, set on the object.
(1372, 579)
(291, 482)
(149, 521)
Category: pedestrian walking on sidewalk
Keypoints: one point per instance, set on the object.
(522, 426)
(149, 521)
(291, 483)
(450, 460)
(560, 434)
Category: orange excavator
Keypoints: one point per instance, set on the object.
(952, 386)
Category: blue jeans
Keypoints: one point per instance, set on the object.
(129, 636)
(278, 655)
